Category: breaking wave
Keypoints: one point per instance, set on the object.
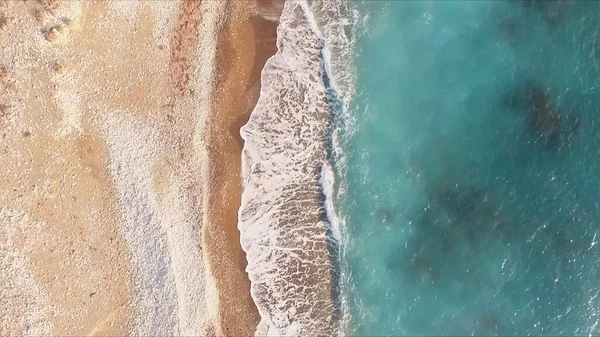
(287, 219)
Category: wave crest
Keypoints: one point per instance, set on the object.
(282, 218)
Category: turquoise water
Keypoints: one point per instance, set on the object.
(471, 202)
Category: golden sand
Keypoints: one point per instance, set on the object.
(121, 181)
(246, 41)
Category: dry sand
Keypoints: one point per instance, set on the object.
(121, 165)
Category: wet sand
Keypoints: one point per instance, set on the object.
(120, 209)
(246, 42)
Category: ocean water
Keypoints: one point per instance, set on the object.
(468, 180)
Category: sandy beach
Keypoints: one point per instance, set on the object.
(246, 41)
(119, 128)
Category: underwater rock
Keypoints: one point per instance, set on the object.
(544, 118)
(554, 12)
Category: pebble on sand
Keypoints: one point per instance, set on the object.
(57, 35)
(58, 67)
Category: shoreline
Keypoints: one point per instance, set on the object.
(283, 222)
(120, 126)
(246, 40)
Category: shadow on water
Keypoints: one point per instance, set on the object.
(545, 121)
(463, 225)
(496, 224)
(554, 12)
(458, 220)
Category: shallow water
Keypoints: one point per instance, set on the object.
(471, 181)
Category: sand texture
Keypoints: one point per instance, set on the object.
(120, 152)
(246, 41)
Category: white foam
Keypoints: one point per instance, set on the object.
(281, 220)
(327, 182)
(339, 22)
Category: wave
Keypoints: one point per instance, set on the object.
(286, 219)
(338, 21)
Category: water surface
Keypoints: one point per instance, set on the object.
(471, 177)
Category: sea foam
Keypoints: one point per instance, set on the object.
(283, 219)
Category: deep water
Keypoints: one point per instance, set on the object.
(472, 181)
